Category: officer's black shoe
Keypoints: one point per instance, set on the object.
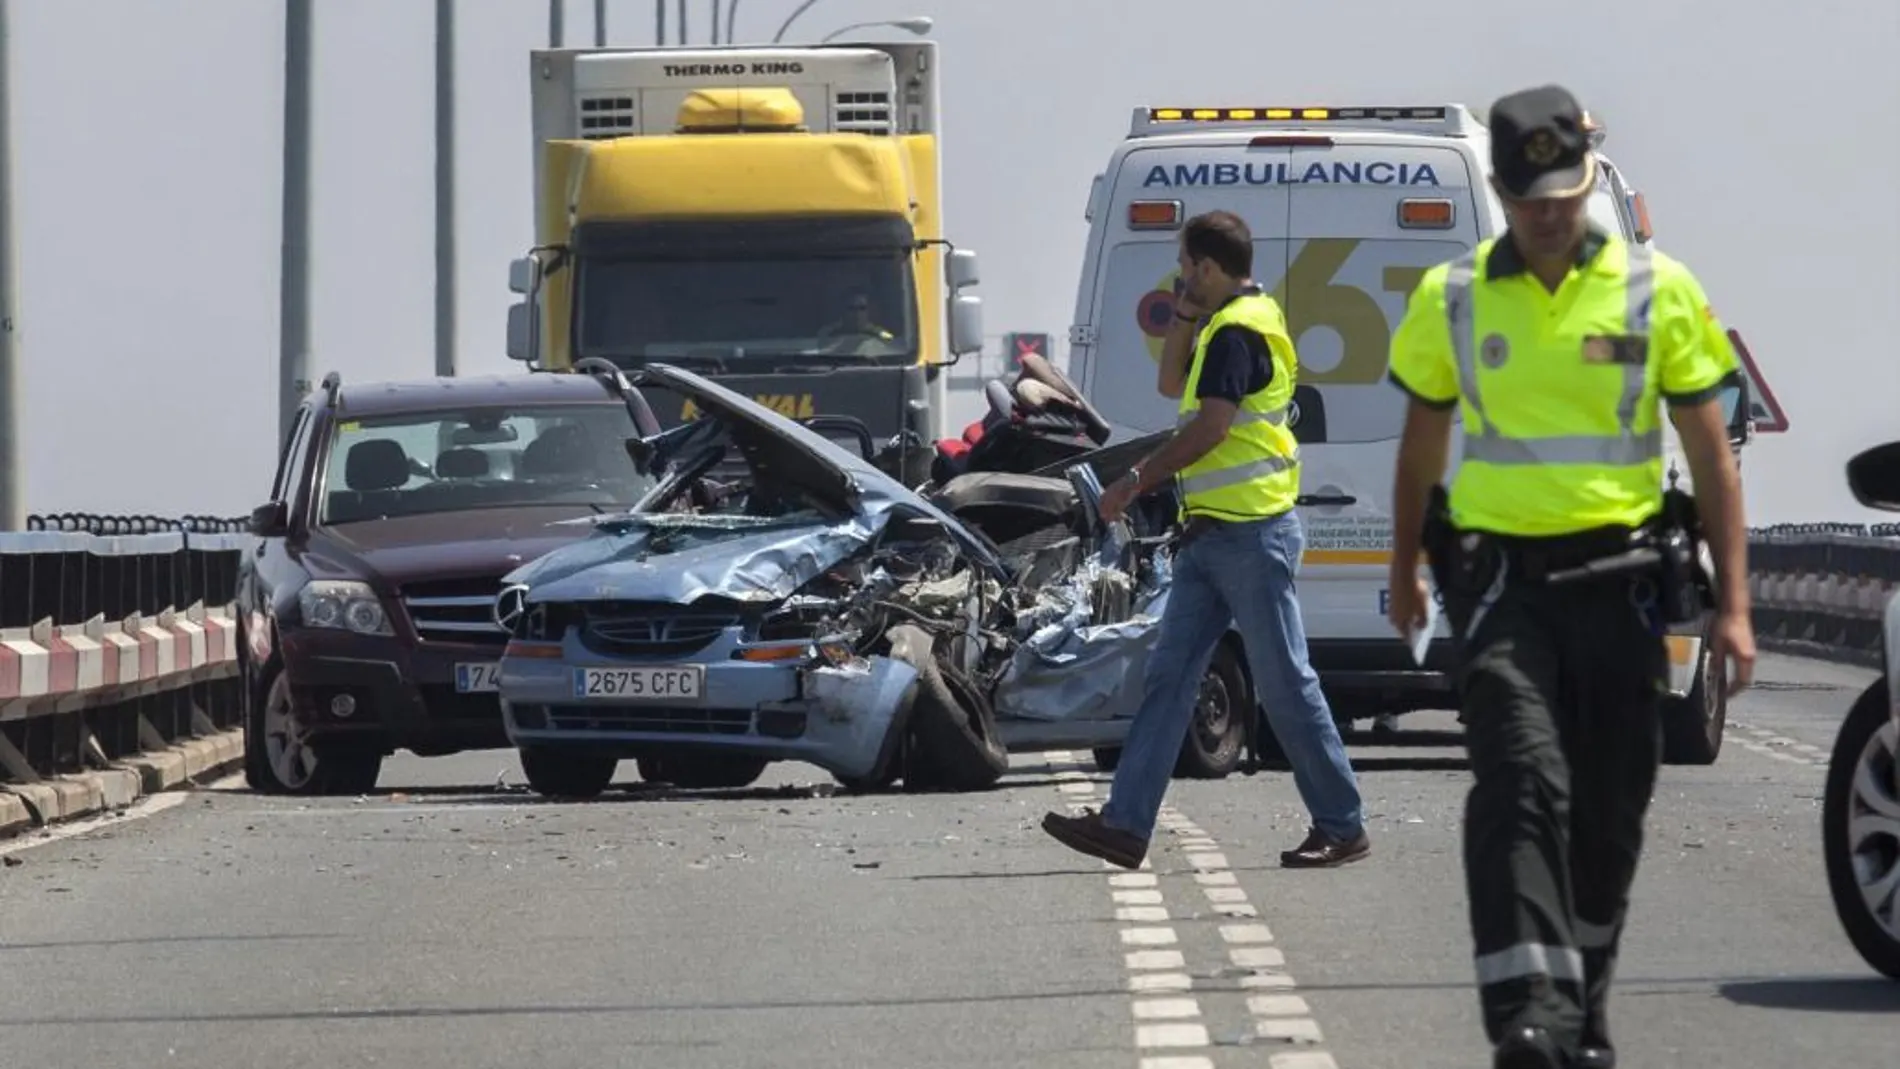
(1594, 1050)
(1527, 1048)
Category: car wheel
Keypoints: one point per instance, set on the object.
(567, 773)
(1217, 733)
(1693, 724)
(1860, 830)
(698, 772)
(281, 756)
(954, 744)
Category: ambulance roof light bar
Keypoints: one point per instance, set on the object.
(1454, 120)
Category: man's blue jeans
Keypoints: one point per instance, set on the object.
(1241, 573)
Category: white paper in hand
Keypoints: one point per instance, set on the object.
(1421, 638)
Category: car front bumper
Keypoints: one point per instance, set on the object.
(406, 693)
(801, 709)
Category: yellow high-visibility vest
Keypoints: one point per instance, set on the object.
(1560, 392)
(1254, 472)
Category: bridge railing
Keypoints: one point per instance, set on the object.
(118, 660)
(1822, 588)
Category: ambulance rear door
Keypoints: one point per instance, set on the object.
(1369, 213)
(1158, 185)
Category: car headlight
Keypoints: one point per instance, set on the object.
(343, 604)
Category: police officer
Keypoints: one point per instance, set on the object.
(1560, 342)
(1231, 363)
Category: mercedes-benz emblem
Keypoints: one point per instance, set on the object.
(510, 604)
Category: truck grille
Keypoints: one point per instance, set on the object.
(652, 630)
(862, 113)
(603, 117)
(455, 610)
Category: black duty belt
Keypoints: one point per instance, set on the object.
(1562, 558)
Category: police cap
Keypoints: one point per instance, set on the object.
(1539, 147)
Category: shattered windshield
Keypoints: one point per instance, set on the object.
(414, 463)
(773, 291)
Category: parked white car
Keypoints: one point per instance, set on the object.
(1860, 831)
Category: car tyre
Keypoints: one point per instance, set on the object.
(1693, 724)
(1216, 735)
(1107, 758)
(953, 742)
(281, 758)
(567, 773)
(1860, 777)
(703, 772)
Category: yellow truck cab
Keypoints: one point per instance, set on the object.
(1348, 208)
(770, 216)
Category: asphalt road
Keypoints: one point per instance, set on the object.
(446, 921)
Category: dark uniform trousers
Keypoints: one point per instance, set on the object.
(1561, 689)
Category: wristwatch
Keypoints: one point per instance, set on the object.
(1133, 477)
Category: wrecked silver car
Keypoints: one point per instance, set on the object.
(818, 610)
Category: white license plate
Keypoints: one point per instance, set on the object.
(479, 677)
(653, 684)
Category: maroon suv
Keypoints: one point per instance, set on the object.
(366, 606)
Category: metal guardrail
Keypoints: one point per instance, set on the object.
(117, 640)
(1821, 589)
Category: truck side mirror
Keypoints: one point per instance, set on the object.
(521, 329)
(524, 275)
(966, 324)
(962, 269)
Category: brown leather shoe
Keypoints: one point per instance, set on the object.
(1087, 834)
(1321, 851)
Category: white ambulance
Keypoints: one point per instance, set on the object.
(1348, 208)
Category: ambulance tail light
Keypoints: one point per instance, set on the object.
(1154, 215)
(1420, 213)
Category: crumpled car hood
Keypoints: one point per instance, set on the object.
(679, 558)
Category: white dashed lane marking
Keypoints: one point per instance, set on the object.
(1779, 747)
(1169, 1024)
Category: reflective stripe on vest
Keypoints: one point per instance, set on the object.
(1487, 445)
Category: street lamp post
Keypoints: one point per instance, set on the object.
(791, 18)
(919, 24)
(12, 469)
(732, 13)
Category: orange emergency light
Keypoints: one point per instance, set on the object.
(1418, 213)
(1154, 214)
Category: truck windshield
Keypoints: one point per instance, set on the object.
(767, 290)
(414, 463)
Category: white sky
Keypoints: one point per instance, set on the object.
(147, 153)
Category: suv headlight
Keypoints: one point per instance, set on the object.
(343, 604)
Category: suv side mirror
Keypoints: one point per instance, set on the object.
(270, 520)
(1873, 476)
